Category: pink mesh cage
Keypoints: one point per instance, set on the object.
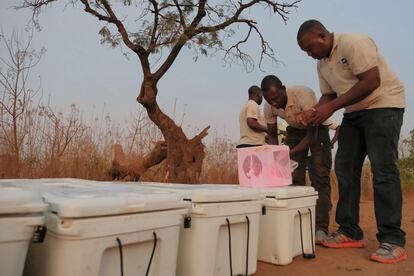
(264, 166)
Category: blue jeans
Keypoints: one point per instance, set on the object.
(375, 133)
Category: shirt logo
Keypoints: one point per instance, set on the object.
(344, 61)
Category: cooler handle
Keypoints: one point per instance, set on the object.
(306, 255)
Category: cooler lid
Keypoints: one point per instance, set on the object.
(46, 184)
(208, 192)
(289, 192)
(71, 181)
(115, 199)
(16, 200)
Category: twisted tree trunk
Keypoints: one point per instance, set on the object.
(184, 156)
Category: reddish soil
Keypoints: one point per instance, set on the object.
(351, 261)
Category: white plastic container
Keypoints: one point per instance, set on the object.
(108, 230)
(287, 230)
(204, 243)
(49, 184)
(21, 214)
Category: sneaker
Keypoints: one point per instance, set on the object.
(389, 254)
(320, 235)
(339, 240)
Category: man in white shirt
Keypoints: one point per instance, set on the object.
(252, 126)
(287, 103)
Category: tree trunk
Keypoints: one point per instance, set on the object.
(127, 169)
(184, 156)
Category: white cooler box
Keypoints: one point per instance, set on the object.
(49, 184)
(287, 230)
(222, 230)
(108, 230)
(21, 216)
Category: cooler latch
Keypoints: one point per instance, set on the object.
(187, 222)
(39, 234)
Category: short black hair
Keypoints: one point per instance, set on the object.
(269, 81)
(253, 90)
(308, 26)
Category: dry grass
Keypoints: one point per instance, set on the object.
(58, 145)
(220, 164)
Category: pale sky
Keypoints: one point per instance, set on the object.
(78, 69)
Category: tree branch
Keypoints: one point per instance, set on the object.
(35, 5)
(180, 12)
(154, 27)
(187, 34)
(139, 50)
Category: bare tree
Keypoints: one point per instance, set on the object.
(62, 131)
(15, 94)
(157, 34)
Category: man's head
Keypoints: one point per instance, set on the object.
(315, 39)
(274, 91)
(255, 94)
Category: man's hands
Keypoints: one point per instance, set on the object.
(305, 118)
(315, 115)
(322, 113)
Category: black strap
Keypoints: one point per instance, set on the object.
(301, 233)
(311, 226)
(231, 265)
(248, 241)
(121, 257)
(152, 253)
(306, 255)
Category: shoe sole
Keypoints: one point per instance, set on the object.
(386, 261)
(344, 245)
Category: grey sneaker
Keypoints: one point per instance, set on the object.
(389, 254)
(340, 240)
(320, 235)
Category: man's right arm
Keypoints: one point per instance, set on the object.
(255, 125)
(252, 116)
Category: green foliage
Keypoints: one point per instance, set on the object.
(108, 38)
(410, 142)
(406, 165)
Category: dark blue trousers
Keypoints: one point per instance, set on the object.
(375, 133)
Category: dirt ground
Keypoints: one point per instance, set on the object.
(352, 261)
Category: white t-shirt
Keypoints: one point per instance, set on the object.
(248, 135)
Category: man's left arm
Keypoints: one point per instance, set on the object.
(305, 142)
